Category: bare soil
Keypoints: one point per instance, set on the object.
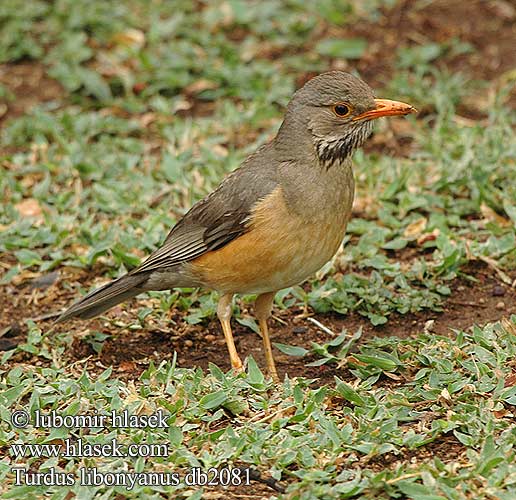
(489, 26)
(30, 85)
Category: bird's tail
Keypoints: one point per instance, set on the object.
(105, 297)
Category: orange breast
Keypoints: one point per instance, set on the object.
(279, 250)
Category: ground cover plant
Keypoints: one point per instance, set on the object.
(398, 356)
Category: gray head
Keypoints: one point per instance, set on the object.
(336, 110)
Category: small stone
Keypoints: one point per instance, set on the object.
(44, 281)
(188, 343)
(299, 329)
(12, 331)
(461, 288)
(481, 300)
(210, 338)
(498, 291)
(500, 306)
(429, 326)
(504, 9)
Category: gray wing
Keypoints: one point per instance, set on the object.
(219, 218)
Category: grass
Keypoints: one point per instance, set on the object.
(345, 440)
(159, 100)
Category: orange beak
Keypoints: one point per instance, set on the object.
(385, 107)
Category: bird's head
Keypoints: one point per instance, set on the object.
(337, 110)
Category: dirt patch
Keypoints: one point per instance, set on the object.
(130, 351)
(30, 86)
(446, 447)
(489, 26)
(254, 491)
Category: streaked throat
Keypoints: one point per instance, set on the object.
(332, 150)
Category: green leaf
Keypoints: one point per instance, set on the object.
(291, 350)
(236, 407)
(9, 275)
(396, 244)
(381, 360)
(250, 323)
(94, 83)
(377, 319)
(213, 400)
(510, 210)
(416, 491)
(11, 395)
(348, 393)
(351, 48)
(28, 257)
(255, 376)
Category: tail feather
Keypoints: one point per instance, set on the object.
(105, 297)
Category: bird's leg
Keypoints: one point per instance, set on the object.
(263, 309)
(224, 310)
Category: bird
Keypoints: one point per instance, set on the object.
(273, 221)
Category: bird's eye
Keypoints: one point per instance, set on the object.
(341, 109)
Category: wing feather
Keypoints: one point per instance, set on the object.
(219, 218)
